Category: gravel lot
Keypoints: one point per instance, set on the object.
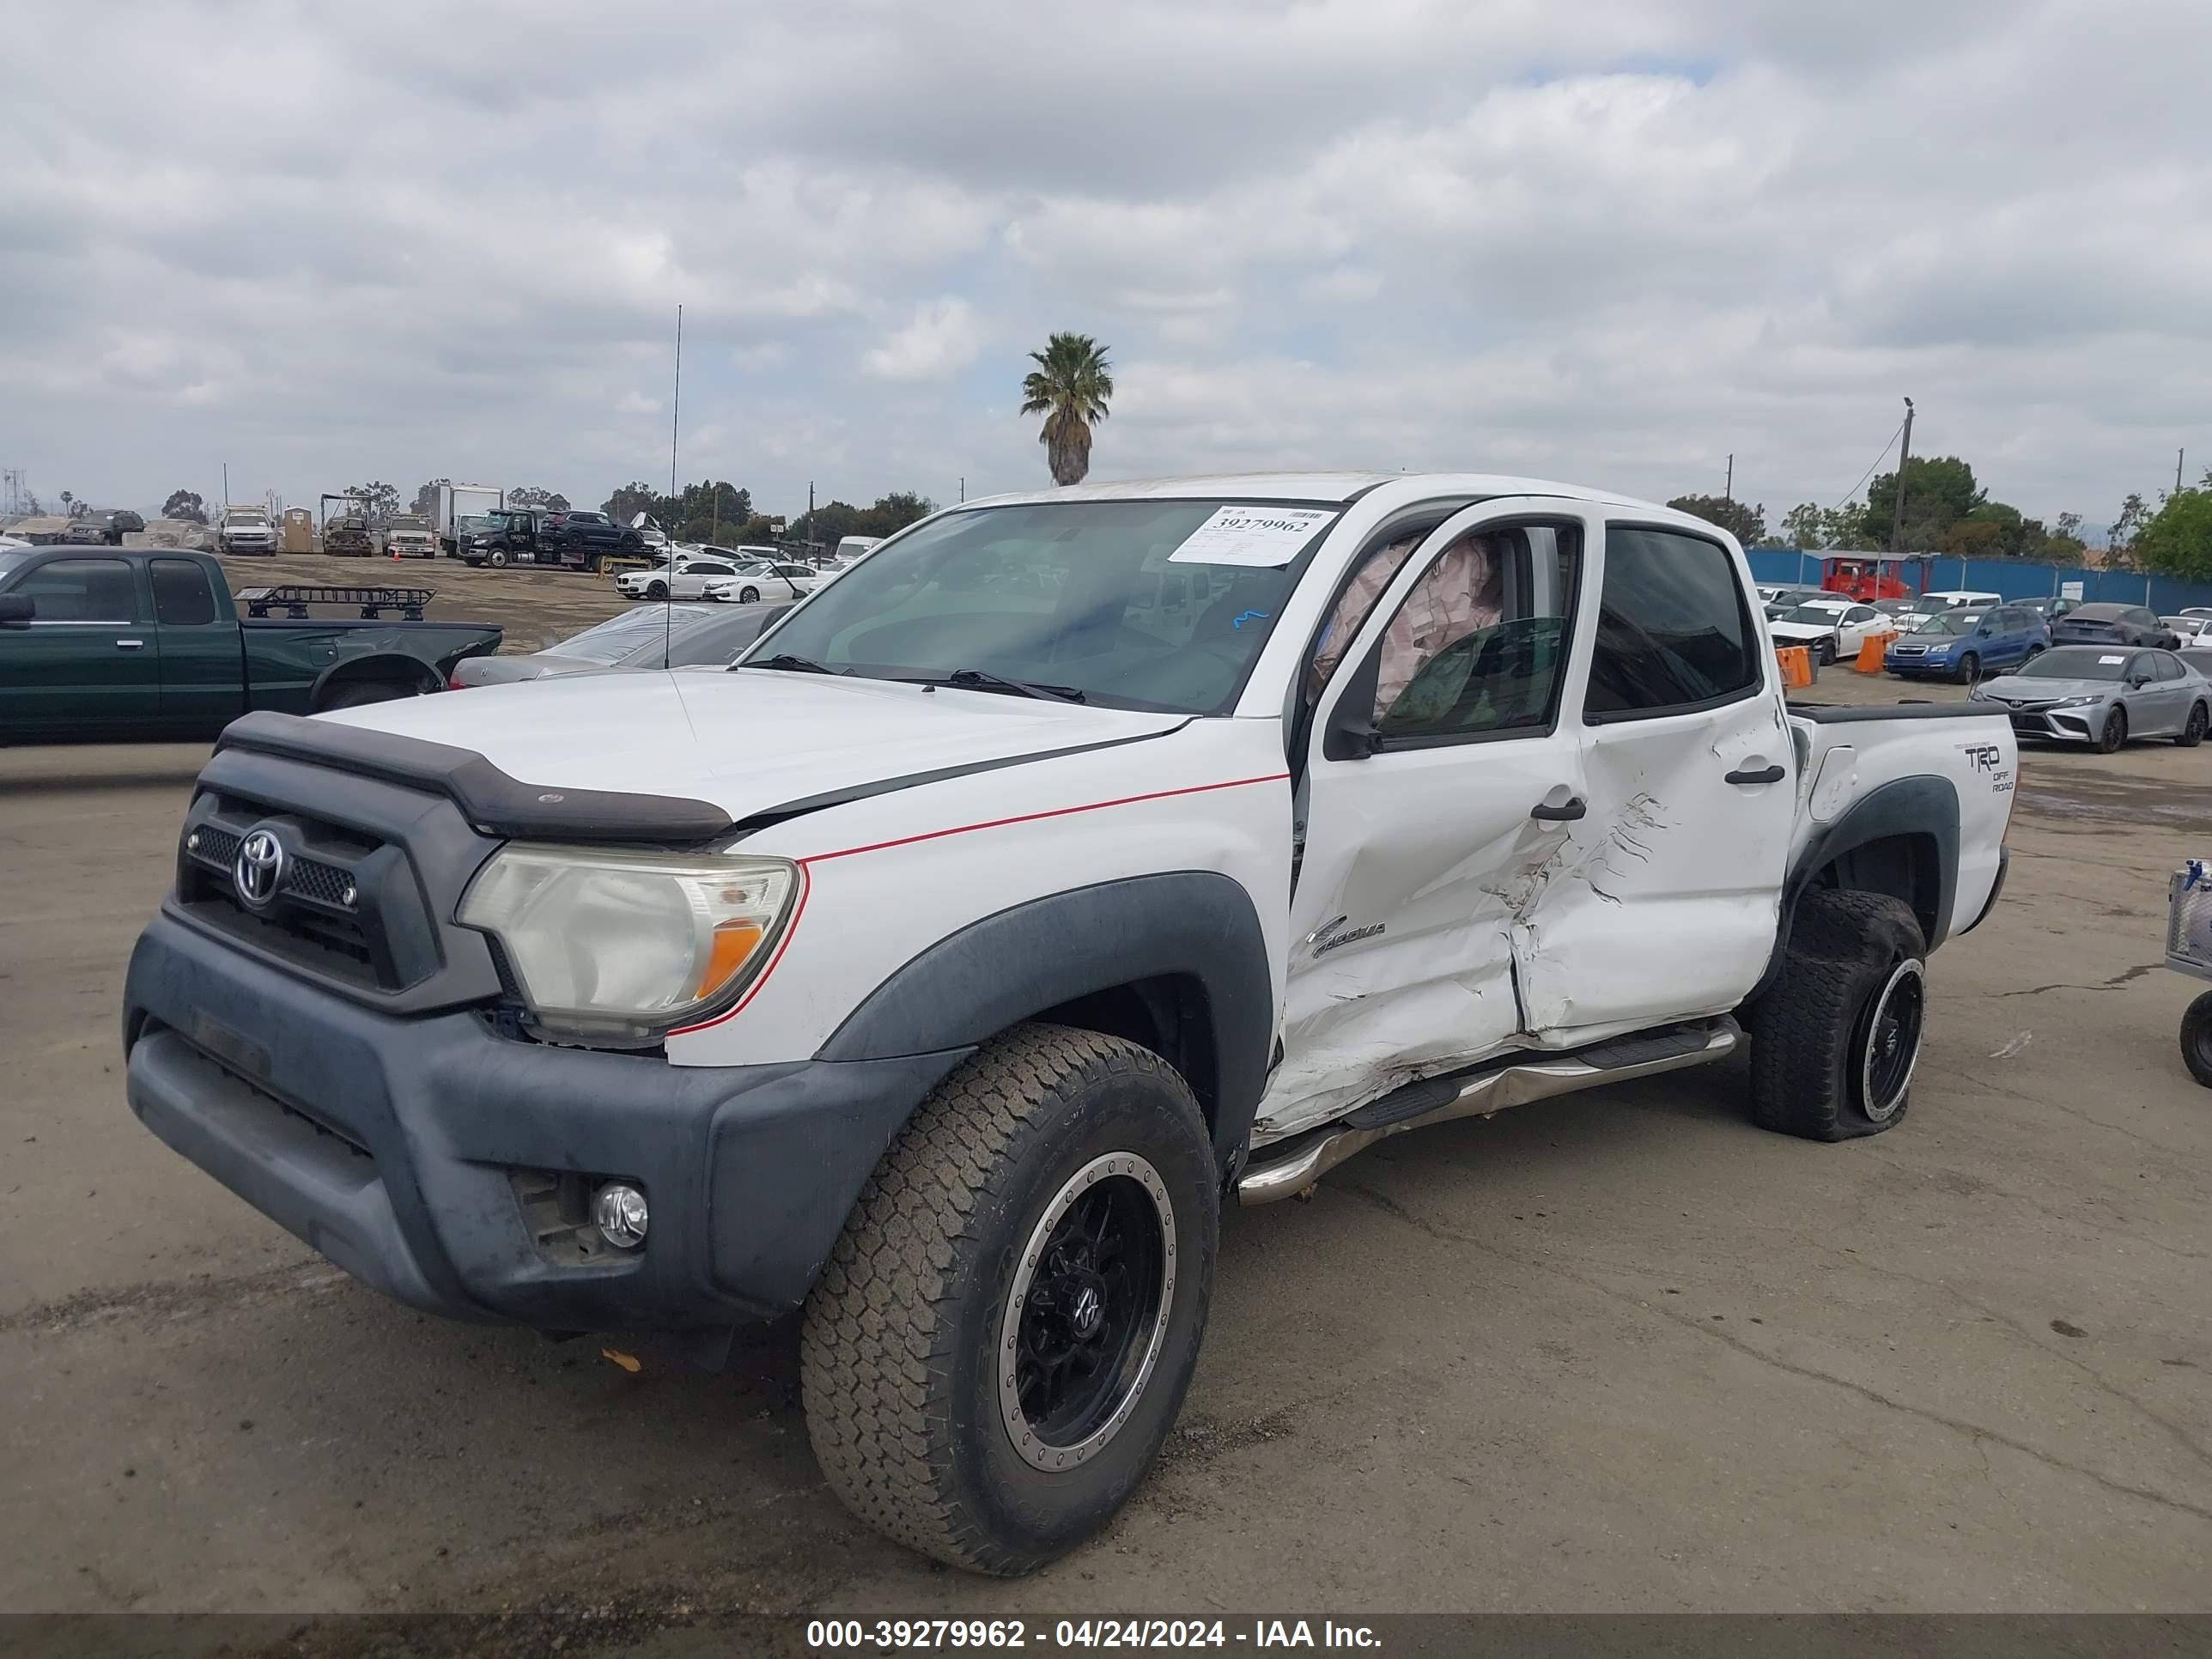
(1620, 1351)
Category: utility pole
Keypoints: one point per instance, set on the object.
(1903, 455)
(2177, 455)
(1727, 489)
(963, 487)
(226, 483)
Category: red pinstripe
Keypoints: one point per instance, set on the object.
(805, 884)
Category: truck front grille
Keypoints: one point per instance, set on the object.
(334, 912)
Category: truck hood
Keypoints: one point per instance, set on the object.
(2039, 688)
(747, 741)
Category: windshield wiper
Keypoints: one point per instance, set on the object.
(982, 679)
(783, 659)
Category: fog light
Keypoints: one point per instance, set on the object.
(619, 1208)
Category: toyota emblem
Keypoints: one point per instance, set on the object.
(258, 870)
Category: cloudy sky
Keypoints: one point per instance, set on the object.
(1610, 241)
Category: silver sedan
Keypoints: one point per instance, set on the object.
(2104, 695)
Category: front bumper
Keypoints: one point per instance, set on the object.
(2061, 724)
(417, 1152)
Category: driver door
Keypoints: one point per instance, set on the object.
(1439, 789)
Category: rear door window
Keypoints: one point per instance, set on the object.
(1673, 631)
(182, 597)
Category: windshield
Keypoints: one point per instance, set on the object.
(1826, 615)
(10, 558)
(2077, 662)
(618, 636)
(244, 515)
(1948, 622)
(1091, 596)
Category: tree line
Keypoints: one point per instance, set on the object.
(1947, 511)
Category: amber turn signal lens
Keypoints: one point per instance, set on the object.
(734, 942)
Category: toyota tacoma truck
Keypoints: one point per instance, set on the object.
(147, 645)
(1074, 866)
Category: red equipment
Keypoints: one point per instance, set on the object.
(1867, 577)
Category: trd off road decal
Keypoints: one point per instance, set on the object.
(1986, 761)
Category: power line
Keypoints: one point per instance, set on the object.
(1869, 473)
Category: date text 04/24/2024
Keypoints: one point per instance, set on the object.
(891, 1634)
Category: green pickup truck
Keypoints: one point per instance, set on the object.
(124, 644)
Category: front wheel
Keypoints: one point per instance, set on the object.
(2034, 652)
(1970, 669)
(2113, 734)
(2192, 730)
(657, 590)
(748, 596)
(1823, 653)
(1834, 1044)
(496, 558)
(1001, 1338)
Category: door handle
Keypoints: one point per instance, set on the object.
(1566, 812)
(1770, 774)
(130, 645)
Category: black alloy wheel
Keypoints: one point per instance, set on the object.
(1890, 1046)
(1087, 1311)
(2113, 736)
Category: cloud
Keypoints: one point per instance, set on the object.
(1616, 242)
(941, 340)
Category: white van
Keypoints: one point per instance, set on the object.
(850, 548)
(1964, 599)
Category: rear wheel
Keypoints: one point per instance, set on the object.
(1002, 1337)
(360, 693)
(2197, 1039)
(2193, 729)
(1833, 1045)
(2114, 733)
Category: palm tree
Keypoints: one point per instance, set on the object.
(1069, 387)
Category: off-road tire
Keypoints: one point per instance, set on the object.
(2197, 1039)
(2193, 729)
(901, 1350)
(1810, 1031)
(2112, 735)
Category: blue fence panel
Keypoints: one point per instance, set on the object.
(2015, 578)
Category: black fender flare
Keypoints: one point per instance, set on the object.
(1011, 966)
(388, 666)
(1926, 806)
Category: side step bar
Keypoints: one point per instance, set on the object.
(1310, 1156)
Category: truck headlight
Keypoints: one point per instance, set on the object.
(626, 945)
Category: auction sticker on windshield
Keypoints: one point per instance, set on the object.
(2106, 662)
(1265, 537)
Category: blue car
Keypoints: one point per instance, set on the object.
(1967, 644)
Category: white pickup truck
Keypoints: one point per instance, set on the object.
(1074, 865)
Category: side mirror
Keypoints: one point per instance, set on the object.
(16, 610)
(2137, 682)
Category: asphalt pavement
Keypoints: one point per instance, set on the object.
(1621, 1352)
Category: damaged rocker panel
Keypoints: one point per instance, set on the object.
(1441, 1099)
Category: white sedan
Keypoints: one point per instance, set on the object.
(756, 581)
(685, 577)
(1831, 627)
